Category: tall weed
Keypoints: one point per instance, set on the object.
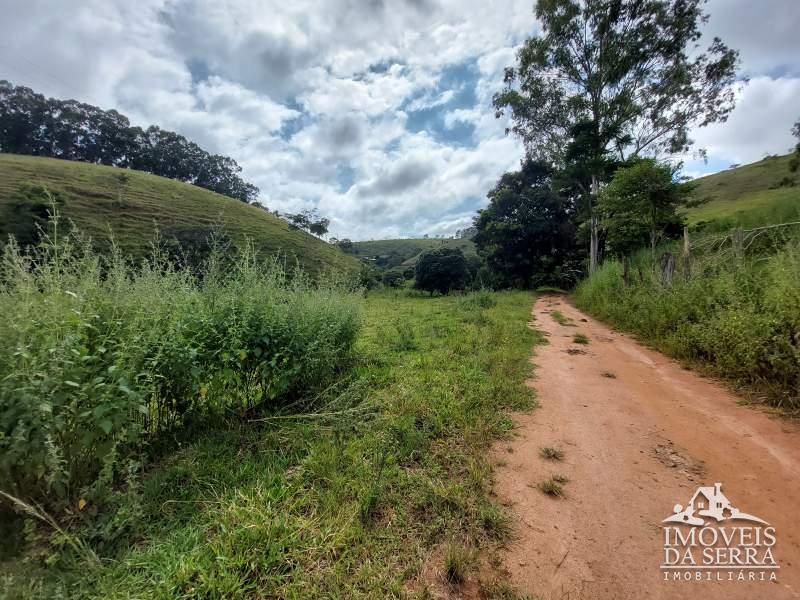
(98, 358)
(740, 319)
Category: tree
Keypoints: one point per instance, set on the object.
(345, 245)
(319, 227)
(527, 233)
(794, 162)
(631, 69)
(393, 278)
(70, 130)
(640, 205)
(309, 220)
(441, 270)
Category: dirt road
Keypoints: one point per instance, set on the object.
(639, 435)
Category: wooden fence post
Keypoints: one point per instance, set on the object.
(738, 243)
(686, 253)
(593, 244)
(667, 268)
(626, 272)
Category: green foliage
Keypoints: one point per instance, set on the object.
(626, 67)
(28, 213)
(96, 199)
(309, 220)
(33, 124)
(99, 359)
(393, 278)
(441, 270)
(478, 300)
(738, 321)
(345, 501)
(526, 233)
(641, 204)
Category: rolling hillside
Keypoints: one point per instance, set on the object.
(404, 252)
(749, 195)
(133, 204)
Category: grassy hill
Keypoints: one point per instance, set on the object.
(394, 253)
(133, 204)
(749, 195)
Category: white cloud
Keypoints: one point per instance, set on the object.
(761, 123)
(316, 100)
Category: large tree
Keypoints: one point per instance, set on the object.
(633, 69)
(527, 232)
(794, 162)
(441, 270)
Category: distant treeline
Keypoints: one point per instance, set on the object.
(32, 124)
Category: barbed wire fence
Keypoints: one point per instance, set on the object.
(701, 252)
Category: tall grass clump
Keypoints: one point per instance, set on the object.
(739, 319)
(100, 358)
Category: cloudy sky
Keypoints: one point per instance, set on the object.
(377, 112)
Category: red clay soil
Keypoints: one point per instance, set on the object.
(639, 434)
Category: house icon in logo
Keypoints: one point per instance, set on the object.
(708, 502)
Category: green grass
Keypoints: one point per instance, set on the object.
(748, 195)
(580, 338)
(458, 561)
(405, 252)
(552, 487)
(551, 453)
(561, 319)
(344, 502)
(95, 199)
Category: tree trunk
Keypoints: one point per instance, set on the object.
(593, 239)
(626, 275)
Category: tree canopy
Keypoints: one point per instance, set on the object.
(527, 233)
(309, 220)
(639, 205)
(441, 270)
(632, 69)
(67, 129)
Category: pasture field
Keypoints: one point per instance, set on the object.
(749, 195)
(380, 480)
(130, 205)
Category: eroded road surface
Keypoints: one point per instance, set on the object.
(639, 434)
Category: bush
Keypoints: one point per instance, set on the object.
(393, 278)
(98, 358)
(740, 321)
(441, 270)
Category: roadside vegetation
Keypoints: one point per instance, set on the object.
(102, 361)
(738, 319)
(168, 458)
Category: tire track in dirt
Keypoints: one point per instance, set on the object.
(639, 435)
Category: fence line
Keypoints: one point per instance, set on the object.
(706, 249)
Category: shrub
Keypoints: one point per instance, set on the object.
(393, 278)
(478, 300)
(98, 358)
